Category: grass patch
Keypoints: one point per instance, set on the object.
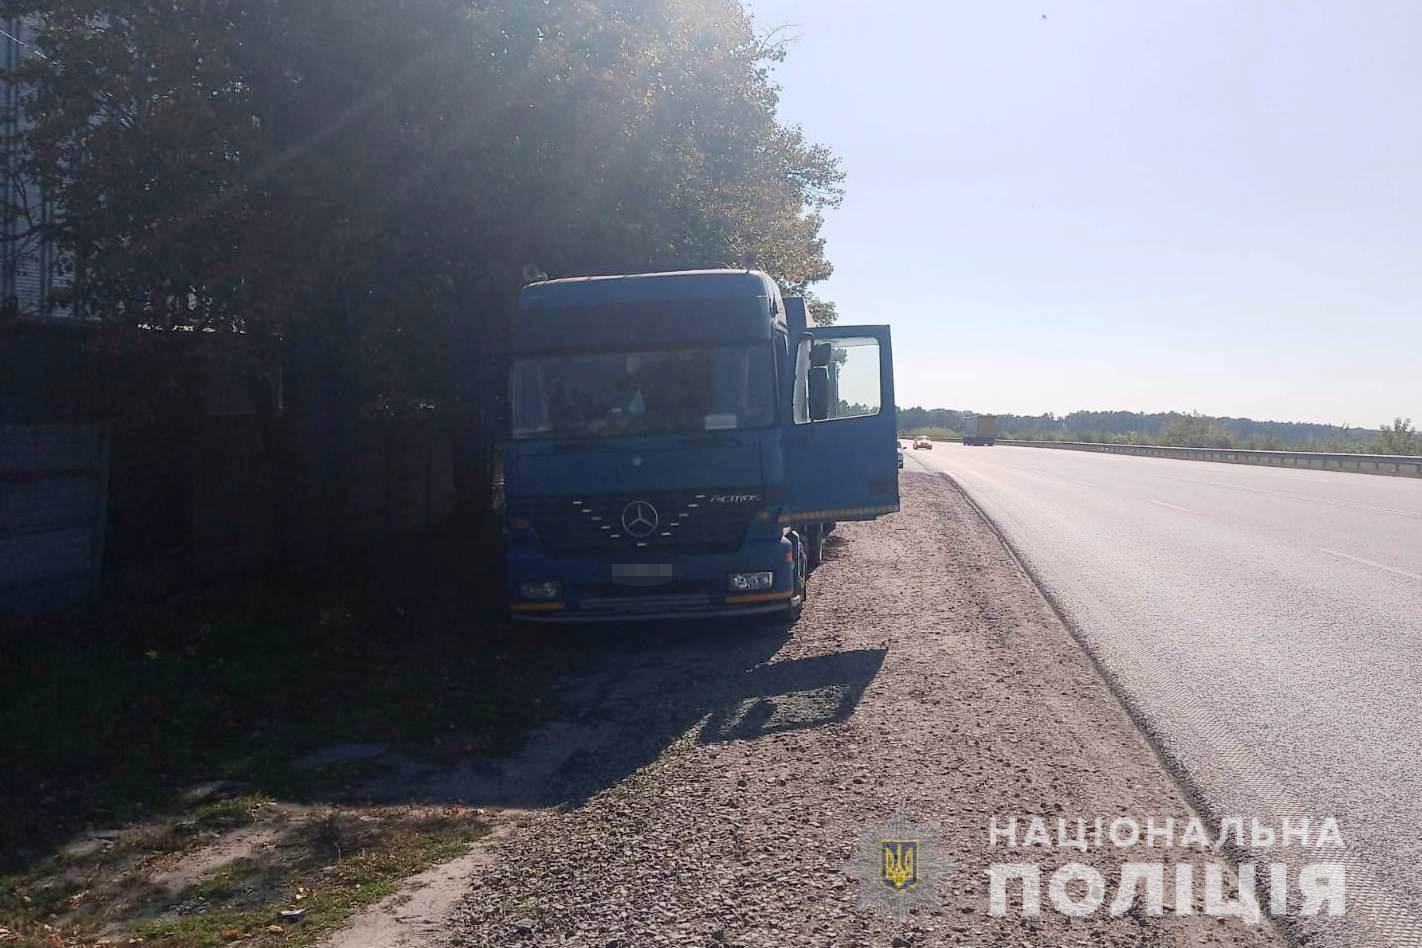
(328, 867)
(224, 815)
(237, 686)
(108, 722)
(370, 860)
(228, 884)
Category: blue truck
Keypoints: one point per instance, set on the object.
(681, 443)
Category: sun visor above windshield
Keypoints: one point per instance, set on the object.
(683, 308)
(679, 286)
(631, 325)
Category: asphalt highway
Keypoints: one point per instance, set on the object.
(1264, 625)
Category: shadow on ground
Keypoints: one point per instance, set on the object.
(634, 691)
(400, 687)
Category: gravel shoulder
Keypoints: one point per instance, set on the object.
(718, 780)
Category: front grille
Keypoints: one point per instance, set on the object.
(702, 521)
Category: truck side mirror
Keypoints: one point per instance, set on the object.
(819, 393)
(820, 354)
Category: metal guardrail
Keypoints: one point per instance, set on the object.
(1386, 464)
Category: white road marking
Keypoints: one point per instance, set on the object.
(1375, 565)
(1171, 506)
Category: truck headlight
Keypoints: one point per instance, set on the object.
(541, 590)
(751, 582)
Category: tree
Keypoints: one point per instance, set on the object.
(1195, 431)
(363, 182)
(825, 312)
(1400, 437)
(375, 174)
(356, 186)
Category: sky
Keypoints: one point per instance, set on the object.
(1205, 206)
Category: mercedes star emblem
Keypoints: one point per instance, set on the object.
(640, 519)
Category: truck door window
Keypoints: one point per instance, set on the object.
(855, 385)
(801, 400)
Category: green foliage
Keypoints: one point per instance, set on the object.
(824, 311)
(932, 434)
(376, 175)
(1400, 437)
(1175, 428)
(1194, 431)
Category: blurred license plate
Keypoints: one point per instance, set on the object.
(641, 571)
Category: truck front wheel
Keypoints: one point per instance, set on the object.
(814, 540)
(802, 586)
(782, 619)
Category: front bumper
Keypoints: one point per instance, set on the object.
(697, 587)
(726, 612)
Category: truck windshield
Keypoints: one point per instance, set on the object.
(674, 391)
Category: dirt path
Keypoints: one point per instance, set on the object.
(725, 778)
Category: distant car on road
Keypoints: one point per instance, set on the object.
(922, 443)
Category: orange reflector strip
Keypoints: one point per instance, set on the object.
(811, 515)
(757, 597)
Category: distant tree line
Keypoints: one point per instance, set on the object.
(1176, 428)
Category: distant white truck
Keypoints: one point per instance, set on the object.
(980, 430)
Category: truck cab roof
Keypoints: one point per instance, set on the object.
(648, 311)
(671, 287)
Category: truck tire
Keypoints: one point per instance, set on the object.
(793, 613)
(781, 620)
(814, 541)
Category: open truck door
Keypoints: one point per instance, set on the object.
(841, 449)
